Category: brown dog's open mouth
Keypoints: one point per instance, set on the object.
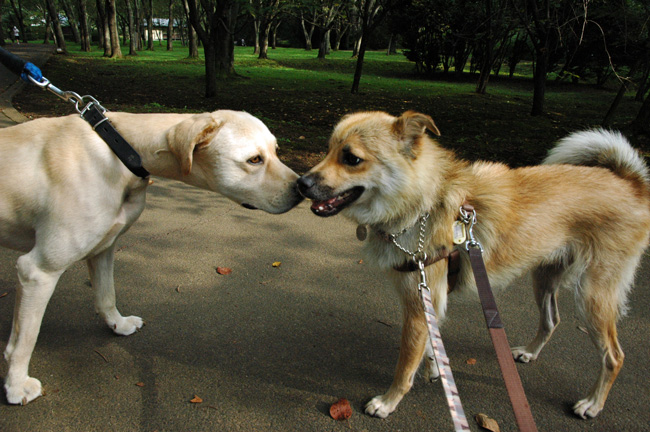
(332, 206)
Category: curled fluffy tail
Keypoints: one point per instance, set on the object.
(599, 147)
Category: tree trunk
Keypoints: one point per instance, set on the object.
(48, 29)
(274, 34)
(60, 41)
(84, 31)
(18, 12)
(359, 67)
(644, 84)
(111, 16)
(210, 69)
(170, 27)
(323, 48)
(137, 16)
(226, 14)
(72, 20)
(265, 30)
(256, 30)
(391, 45)
(2, 34)
(539, 81)
(307, 33)
(642, 121)
(133, 33)
(150, 26)
(102, 28)
(486, 66)
(619, 97)
(191, 34)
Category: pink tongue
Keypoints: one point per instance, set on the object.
(324, 205)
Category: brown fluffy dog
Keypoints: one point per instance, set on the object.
(581, 220)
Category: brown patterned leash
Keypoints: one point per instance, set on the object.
(520, 406)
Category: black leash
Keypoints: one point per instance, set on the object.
(93, 112)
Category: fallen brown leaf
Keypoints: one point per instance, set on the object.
(341, 410)
(470, 361)
(196, 400)
(276, 264)
(224, 270)
(140, 384)
(4, 294)
(487, 423)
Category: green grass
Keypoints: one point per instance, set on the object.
(301, 97)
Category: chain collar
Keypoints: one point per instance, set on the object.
(418, 255)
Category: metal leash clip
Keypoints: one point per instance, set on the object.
(469, 219)
(69, 96)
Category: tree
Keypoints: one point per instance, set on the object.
(217, 36)
(170, 25)
(111, 17)
(191, 33)
(549, 26)
(133, 32)
(84, 31)
(370, 18)
(308, 27)
(58, 32)
(264, 13)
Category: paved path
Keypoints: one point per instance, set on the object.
(270, 348)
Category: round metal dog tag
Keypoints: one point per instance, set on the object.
(362, 232)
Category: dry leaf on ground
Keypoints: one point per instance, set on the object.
(224, 270)
(140, 384)
(277, 264)
(341, 410)
(486, 422)
(470, 361)
(196, 400)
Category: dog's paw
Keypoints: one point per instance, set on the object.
(23, 393)
(587, 408)
(431, 372)
(378, 407)
(522, 355)
(126, 325)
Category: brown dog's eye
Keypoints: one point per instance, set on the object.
(256, 160)
(350, 159)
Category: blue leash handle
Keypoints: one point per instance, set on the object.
(19, 66)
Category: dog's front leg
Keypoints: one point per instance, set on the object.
(33, 294)
(414, 337)
(100, 268)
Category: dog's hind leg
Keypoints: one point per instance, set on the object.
(100, 268)
(431, 371)
(546, 281)
(34, 292)
(601, 303)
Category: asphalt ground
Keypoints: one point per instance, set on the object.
(269, 348)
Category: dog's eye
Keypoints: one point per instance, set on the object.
(255, 160)
(350, 159)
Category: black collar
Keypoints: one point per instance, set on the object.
(122, 149)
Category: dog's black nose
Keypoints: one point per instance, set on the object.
(305, 183)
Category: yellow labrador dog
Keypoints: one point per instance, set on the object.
(581, 220)
(65, 197)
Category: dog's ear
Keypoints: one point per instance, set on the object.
(410, 127)
(189, 136)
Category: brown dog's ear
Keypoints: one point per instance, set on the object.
(410, 127)
(190, 135)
